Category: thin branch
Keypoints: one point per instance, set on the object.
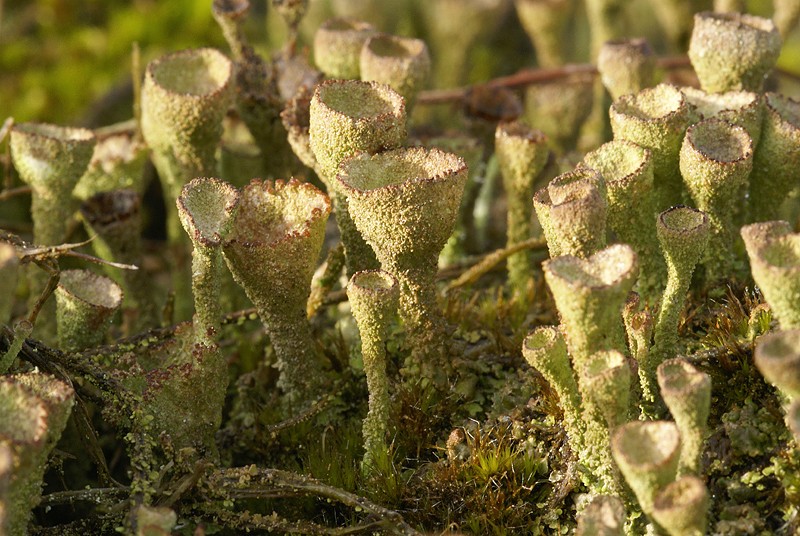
(107, 496)
(493, 259)
(13, 192)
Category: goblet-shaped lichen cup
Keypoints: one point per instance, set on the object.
(647, 454)
(687, 393)
(373, 297)
(681, 507)
(545, 22)
(777, 357)
(572, 211)
(732, 51)
(296, 118)
(546, 350)
(743, 108)
(683, 233)
(590, 295)
(51, 159)
(522, 153)
(774, 255)
(608, 387)
(559, 109)
(206, 208)
(184, 99)
(272, 251)
(348, 117)
(34, 409)
(656, 118)
(402, 63)
(405, 203)
(715, 160)
(627, 170)
(337, 47)
(626, 66)
(777, 157)
(85, 303)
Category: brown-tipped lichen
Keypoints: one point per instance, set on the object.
(272, 250)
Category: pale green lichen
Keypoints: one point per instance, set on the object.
(603, 516)
(715, 161)
(777, 357)
(118, 163)
(346, 118)
(337, 47)
(545, 22)
(687, 393)
(626, 66)
(627, 170)
(559, 109)
(405, 203)
(272, 250)
(521, 153)
(683, 233)
(774, 254)
(374, 297)
(647, 454)
(402, 63)
(656, 118)
(8, 280)
(733, 51)
(85, 303)
(572, 210)
(743, 108)
(776, 158)
(681, 507)
(34, 408)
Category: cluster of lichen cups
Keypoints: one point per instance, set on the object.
(721, 150)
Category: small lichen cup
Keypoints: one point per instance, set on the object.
(777, 157)
(272, 250)
(626, 66)
(184, 99)
(349, 117)
(777, 357)
(572, 210)
(402, 63)
(627, 171)
(405, 203)
(374, 296)
(774, 254)
(207, 208)
(337, 47)
(85, 304)
(681, 507)
(716, 159)
(34, 409)
(521, 153)
(743, 108)
(656, 118)
(603, 516)
(51, 159)
(733, 51)
(560, 108)
(647, 454)
(687, 393)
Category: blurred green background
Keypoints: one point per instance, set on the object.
(69, 61)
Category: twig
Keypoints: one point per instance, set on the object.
(94, 495)
(8, 193)
(491, 260)
(227, 483)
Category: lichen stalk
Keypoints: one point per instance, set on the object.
(603, 516)
(715, 160)
(681, 507)
(683, 233)
(373, 299)
(626, 66)
(337, 47)
(402, 63)
(545, 22)
(522, 153)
